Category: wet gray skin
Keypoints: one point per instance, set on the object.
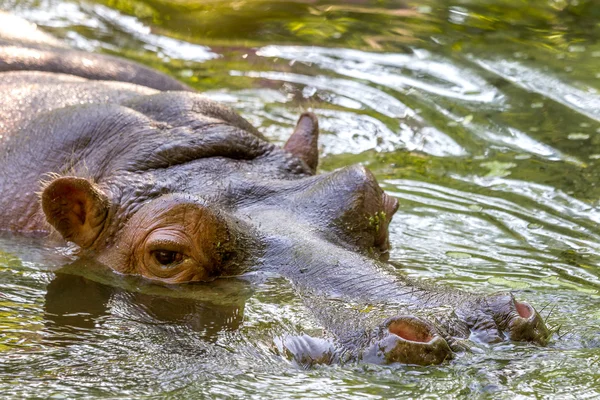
(177, 188)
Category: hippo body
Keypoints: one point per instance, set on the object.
(150, 178)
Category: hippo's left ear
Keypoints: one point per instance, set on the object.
(76, 208)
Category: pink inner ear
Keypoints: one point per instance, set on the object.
(409, 330)
(523, 309)
(79, 209)
(68, 198)
(76, 208)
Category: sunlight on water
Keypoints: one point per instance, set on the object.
(480, 117)
(586, 102)
(391, 70)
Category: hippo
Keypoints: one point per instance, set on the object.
(147, 177)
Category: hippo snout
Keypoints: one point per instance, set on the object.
(408, 340)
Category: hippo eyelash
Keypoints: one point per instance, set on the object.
(166, 245)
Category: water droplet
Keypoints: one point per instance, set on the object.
(534, 226)
(309, 91)
(497, 168)
(537, 105)
(458, 254)
(578, 136)
(577, 49)
(498, 280)
(554, 280)
(522, 156)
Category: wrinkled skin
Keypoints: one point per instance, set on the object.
(176, 188)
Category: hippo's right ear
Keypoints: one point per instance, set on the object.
(304, 142)
(76, 208)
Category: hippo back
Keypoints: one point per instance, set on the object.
(23, 47)
(27, 94)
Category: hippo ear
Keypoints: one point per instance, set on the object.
(305, 140)
(76, 208)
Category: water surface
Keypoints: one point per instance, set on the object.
(482, 117)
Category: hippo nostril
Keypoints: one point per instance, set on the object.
(411, 330)
(527, 325)
(524, 309)
(409, 340)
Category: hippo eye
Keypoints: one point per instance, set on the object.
(167, 258)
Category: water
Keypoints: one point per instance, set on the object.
(482, 117)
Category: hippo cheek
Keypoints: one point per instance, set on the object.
(408, 340)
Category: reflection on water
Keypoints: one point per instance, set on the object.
(74, 304)
(481, 117)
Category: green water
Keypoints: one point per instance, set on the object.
(481, 116)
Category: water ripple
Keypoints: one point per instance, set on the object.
(413, 132)
(390, 70)
(536, 80)
(466, 230)
(162, 45)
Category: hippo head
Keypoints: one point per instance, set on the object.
(179, 203)
(176, 188)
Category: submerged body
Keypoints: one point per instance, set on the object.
(163, 183)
